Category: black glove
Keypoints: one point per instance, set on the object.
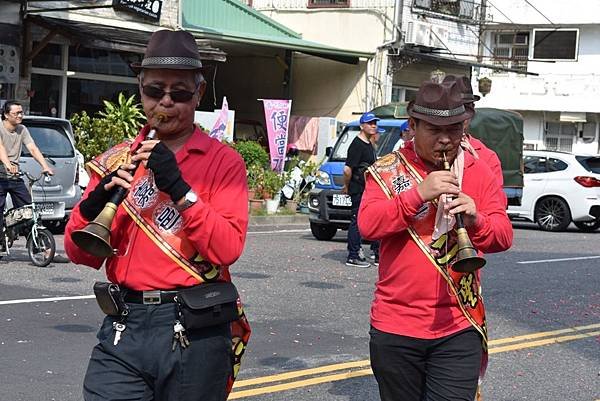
(91, 206)
(167, 175)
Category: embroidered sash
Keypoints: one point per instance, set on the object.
(156, 215)
(395, 174)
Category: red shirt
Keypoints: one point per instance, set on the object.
(216, 224)
(411, 297)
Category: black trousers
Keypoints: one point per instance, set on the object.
(412, 369)
(18, 192)
(143, 366)
(354, 238)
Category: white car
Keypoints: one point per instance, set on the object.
(560, 188)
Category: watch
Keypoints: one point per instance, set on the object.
(188, 200)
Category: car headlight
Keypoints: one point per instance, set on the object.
(314, 202)
(323, 178)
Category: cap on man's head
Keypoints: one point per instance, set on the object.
(368, 117)
(439, 104)
(404, 126)
(168, 49)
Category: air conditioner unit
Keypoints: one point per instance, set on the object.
(418, 34)
(439, 36)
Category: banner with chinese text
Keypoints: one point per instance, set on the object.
(277, 113)
(220, 125)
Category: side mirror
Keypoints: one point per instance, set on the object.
(328, 151)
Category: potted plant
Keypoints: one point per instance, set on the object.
(272, 183)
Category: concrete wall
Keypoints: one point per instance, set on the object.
(559, 12)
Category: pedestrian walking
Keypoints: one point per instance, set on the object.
(361, 154)
(428, 330)
(174, 328)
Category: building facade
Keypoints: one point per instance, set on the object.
(562, 46)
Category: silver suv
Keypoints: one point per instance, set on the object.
(55, 196)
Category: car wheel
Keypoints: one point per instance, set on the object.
(588, 226)
(322, 232)
(552, 214)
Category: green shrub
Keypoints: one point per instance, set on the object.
(273, 182)
(252, 153)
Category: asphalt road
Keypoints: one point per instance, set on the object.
(309, 314)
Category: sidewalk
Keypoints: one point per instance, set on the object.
(274, 220)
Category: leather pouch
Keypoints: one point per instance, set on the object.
(108, 296)
(208, 304)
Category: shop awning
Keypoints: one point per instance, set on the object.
(112, 37)
(232, 21)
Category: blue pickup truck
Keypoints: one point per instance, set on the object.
(329, 209)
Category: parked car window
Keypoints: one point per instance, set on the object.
(52, 142)
(556, 165)
(535, 164)
(590, 163)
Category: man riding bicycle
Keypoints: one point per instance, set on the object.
(13, 135)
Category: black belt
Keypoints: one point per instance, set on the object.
(154, 297)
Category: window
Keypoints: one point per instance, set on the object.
(100, 61)
(555, 44)
(403, 94)
(560, 136)
(52, 142)
(457, 8)
(534, 164)
(48, 57)
(556, 165)
(511, 49)
(328, 3)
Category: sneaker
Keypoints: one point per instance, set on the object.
(357, 262)
(375, 262)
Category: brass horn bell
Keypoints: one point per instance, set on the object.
(467, 260)
(95, 237)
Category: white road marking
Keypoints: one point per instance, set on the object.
(279, 231)
(53, 299)
(558, 260)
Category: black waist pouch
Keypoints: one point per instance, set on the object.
(109, 298)
(208, 304)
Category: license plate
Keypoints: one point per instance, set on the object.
(342, 200)
(45, 209)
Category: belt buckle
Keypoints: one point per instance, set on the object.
(151, 297)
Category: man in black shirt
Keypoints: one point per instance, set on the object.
(361, 155)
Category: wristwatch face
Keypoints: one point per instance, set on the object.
(191, 197)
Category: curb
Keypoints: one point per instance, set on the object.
(297, 218)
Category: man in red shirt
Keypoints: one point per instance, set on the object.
(428, 331)
(181, 225)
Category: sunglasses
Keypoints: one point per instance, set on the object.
(178, 96)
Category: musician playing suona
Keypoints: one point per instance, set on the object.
(181, 225)
(428, 331)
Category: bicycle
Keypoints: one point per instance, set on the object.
(25, 221)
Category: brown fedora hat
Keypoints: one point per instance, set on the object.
(439, 104)
(166, 49)
(464, 84)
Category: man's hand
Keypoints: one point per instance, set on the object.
(345, 189)
(47, 170)
(437, 183)
(12, 168)
(163, 164)
(91, 206)
(463, 204)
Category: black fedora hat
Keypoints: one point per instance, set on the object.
(166, 49)
(439, 104)
(464, 84)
